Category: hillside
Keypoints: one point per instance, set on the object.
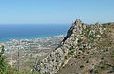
(95, 60)
(87, 49)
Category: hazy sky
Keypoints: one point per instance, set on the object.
(55, 11)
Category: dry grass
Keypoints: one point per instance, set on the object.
(100, 62)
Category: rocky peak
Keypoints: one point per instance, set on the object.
(78, 24)
(76, 28)
(79, 39)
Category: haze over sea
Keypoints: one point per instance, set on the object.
(22, 31)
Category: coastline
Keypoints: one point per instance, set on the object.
(31, 31)
(30, 38)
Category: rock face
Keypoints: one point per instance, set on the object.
(81, 40)
(94, 52)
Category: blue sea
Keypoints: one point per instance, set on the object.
(21, 31)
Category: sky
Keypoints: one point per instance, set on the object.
(55, 11)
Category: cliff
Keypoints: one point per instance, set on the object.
(82, 51)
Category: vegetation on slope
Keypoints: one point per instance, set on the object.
(98, 58)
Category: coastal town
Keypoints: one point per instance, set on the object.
(24, 53)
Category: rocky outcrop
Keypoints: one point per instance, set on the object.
(94, 52)
(79, 40)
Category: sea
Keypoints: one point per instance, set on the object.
(29, 31)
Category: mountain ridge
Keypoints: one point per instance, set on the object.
(82, 42)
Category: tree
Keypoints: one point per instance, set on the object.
(3, 64)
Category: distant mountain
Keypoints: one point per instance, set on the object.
(87, 49)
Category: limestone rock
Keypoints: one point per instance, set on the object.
(80, 38)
